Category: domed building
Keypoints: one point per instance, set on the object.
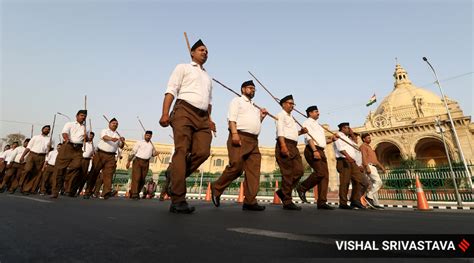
(403, 126)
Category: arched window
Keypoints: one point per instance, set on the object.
(218, 162)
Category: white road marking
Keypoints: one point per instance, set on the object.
(283, 235)
(31, 198)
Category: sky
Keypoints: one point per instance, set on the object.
(333, 54)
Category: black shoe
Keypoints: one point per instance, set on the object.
(302, 195)
(3, 189)
(356, 205)
(216, 200)
(326, 207)
(25, 193)
(106, 196)
(254, 207)
(345, 206)
(136, 198)
(280, 195)
(55, 196)
(370, 201)
(181, 208)
(379, 207)
(162, 198)
(292, 206)
(87, 196)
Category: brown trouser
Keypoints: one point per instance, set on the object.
(67, 167)
(10, 175)
(139, 172)
(106, 162)
(98, 185)
(291, 168)
(350, 171)
(32, 170)
(82, 178)
(192, 141)
(246, 158)
(3, 165)
(18, 177)
(165, 186)
(47, 180)
(319, 176)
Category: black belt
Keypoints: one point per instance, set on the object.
(198, 111)
(317, 147)
(145, 160)
(76, 145)
(109, 153)
(50, 165)
(86, 158)
(341, 158)
(41, 154)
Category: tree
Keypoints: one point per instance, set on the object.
(13, 137)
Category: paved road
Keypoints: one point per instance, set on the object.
(37, 229)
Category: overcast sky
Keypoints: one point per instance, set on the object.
(334, 54)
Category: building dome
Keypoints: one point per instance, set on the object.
(405, 103)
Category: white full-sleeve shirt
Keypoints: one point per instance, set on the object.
(191, 83)
(245, 114)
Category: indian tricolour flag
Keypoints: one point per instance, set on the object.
(372, 100)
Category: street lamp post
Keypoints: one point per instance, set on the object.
(461, 153)
(441, 131)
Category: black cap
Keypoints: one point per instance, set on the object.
(81, 112)
(199, 43)
(148, 132)
(247, 83)
(289, 97)
(310, 109)
(113, 119)
(46, 126)
(342, 124)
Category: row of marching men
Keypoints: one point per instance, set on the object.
(35, 166)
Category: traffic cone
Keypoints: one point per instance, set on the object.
(276, 199)
(240, 199)
(362, 200)
(421, 197)
(208, 192)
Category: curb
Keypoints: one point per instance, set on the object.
(439, 207)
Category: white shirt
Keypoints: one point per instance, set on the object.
(51, 157)
(286, 126)
(39, 144)
(2, 154)
(75, 130)
(89, 150)
(143, 150)
(247, 116)
(15, 155)
(357, 155)
(315, 129)
(340, 145)
(108, 146)
(191, 83)
(7, 155)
